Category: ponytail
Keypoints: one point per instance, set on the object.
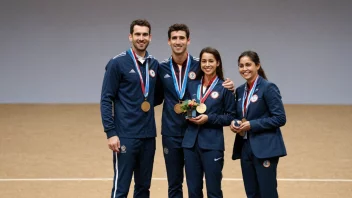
(261, 73)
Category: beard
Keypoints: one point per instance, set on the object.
(139, 48)
(179, 52)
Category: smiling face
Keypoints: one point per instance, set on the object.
(248, 69)
(178, 42)
(140, 38)
(209, 64)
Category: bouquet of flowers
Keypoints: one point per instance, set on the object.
(189, 107)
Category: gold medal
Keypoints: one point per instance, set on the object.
(243, 120)
(145, 106)
(177, 108)
(201, 108)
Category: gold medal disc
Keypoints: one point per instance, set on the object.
(177, 108)
(145, 106)
(201, 108)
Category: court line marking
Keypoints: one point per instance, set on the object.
(164, 179)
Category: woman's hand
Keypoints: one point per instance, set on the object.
(245, 126)
(235, 129)
(201, 119)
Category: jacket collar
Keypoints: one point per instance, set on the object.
(260, 79)
(147, 55)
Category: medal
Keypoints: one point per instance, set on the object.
(201, 108)
(180, 86)
(243, 120)
(145, 106)
(177, 108)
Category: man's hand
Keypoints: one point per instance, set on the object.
(114, 144)
(228, 84)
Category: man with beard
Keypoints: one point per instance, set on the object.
(174, 73)
(127, 116)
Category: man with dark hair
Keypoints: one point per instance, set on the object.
(127, 96)
(140, 22)
(174, 74)
(178, 27)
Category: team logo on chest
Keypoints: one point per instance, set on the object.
(192, 75)
(214, 94)
(254, 98)
(152, 73)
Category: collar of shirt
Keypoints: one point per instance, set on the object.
(177, 69)
(140, 58)
(176, 65)
(209, 83)
(249, 86)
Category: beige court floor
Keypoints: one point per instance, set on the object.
(60, 151)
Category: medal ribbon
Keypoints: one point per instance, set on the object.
(145, 89)
(201, 98)
(249, 96)
(180, 87)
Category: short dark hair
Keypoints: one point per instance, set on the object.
(255, 58)
(217, 56)
(178, 27)
(140, 22)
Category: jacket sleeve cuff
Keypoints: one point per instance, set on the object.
(254, 125)
(110, 133)
(211, 118)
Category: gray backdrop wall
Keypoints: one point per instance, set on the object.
(56, 51)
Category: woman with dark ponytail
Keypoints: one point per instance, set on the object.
(203, 143)
(260, 114)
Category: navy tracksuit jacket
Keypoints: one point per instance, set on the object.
(204, 144)
(174, 125)
(260, 152)
(121, 113)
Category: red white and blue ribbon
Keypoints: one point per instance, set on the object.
(249, 96)
(145, 88)
(201, 98)
(180, 86)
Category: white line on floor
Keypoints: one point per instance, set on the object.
(164, 179)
